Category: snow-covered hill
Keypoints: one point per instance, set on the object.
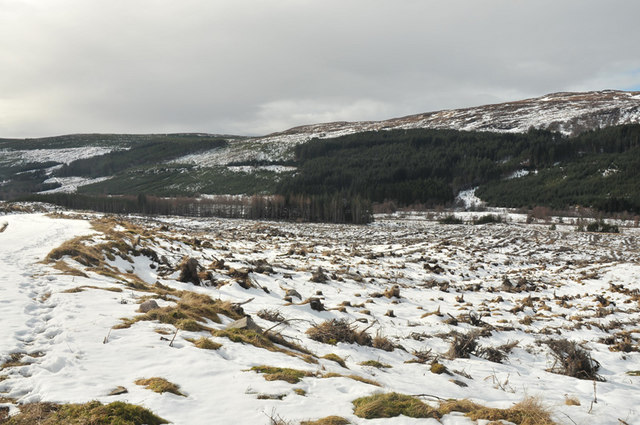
(568, 113)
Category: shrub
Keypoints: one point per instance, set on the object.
(602, 227)
(450, 219)
(488, 219)
(334, 331)
(463, 345)
(271, 315)
(572, 360)
(382, 343)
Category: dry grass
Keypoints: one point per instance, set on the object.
(335, 358)
(375, 363)
(15, 360)
(83, 287)
(334, 331)
(353, 377)
(292, 376)
(390, 405)
(528, 412)
(329, 420)
(463, 345)
(63, 267)
(89, 256)
(205, 343)
(160, 385)
(92, 413)
(270, 342)
(189, 313)
(571, 401)
(572, 360)
(382, 343)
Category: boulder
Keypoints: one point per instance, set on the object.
(245, 323)
(147, 306)
(316, 304)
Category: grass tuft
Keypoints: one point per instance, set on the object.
(160, 385)
(375, 363)
(390, 405)
(205, 343)
(335, 358)
(92, 413)
(329, 420)
(334, 331)
(292, 376)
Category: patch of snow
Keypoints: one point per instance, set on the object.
(64, 155)
(71, 184)
(469, 199)
(250, 169)
(517, 174)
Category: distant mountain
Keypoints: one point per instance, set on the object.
(567, 113)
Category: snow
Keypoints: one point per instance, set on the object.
(250, 169)
(469, 199)
(71, 184)
(517, 174)
(83, 358)
(64, 155)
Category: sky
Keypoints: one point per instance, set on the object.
(252, 67)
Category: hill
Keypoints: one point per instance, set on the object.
(558, 145)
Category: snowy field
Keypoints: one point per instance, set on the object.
(72, 332)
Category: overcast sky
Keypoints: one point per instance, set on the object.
(254, 67)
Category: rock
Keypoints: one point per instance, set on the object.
(189, 271)
(147, 306)
(316, 304)
(318, 276)
(262, 266)
(394, 291)
(244, 323)
(3, 226)
(293, 293)
(118, 390)
(390, 313)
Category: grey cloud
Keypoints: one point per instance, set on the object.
(252, 67)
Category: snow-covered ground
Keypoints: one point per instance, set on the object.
(565, 285)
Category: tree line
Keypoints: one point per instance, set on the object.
(337, 208)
